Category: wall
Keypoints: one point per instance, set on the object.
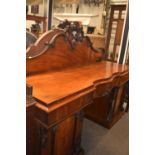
(83, 9)
(98, 22)
(95, 21)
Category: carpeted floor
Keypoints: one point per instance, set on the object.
(97, 140)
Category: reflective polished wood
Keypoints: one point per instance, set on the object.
(66, 77)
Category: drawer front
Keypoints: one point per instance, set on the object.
(70, 108)
(105, 88)
(124, 79)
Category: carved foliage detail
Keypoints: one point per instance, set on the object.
(74, 32)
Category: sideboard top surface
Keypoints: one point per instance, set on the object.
(52, 86)
(62, 67)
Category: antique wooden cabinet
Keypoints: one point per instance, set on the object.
(67, 75)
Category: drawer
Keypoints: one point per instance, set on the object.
(124, 79)
(103, 89)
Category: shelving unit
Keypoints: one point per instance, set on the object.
(38, 20)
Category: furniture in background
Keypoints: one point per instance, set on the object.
(36, 27)
(65, 75)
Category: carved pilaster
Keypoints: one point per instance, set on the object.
(53, 132)
(43, 136)
(78, 132)
(45, 140)
(112, 102)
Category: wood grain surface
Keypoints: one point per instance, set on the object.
(54, 87)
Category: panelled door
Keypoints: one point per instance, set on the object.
(115, 29)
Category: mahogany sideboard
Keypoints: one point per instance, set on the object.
(66, 79)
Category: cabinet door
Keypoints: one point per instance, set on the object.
(67, 136)
(56, 140)
(99, 109)
(63, 137)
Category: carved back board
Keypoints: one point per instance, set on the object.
(56, 50)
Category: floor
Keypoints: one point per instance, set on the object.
(97, 140)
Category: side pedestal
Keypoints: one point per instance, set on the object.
(108, 109)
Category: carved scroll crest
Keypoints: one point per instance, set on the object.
(73, 31)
